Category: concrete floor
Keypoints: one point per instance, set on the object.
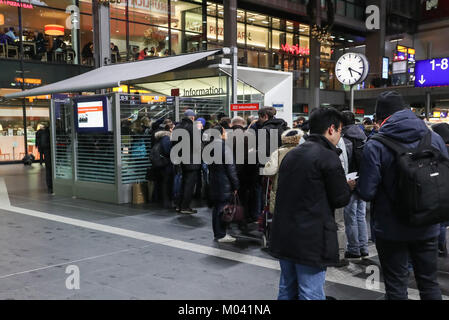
(138, 252)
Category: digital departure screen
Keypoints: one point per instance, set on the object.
(91, 114)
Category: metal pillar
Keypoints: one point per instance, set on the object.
(230, 23)
(314, 69)
(352, 99)
(102, 36)
(22, 86)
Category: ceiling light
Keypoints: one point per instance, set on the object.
(350, 40)
(266, 22)
(394, 40)
(289, 27)
(54, 30)
(342, 39)
(251, 19)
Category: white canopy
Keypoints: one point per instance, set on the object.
(112, 76)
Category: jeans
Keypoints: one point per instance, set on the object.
(189, 178)
(442, 237)
(394, 259)
(218, 225)
(356, 227)
(301, 282)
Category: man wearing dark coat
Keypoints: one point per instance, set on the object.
(311, 185)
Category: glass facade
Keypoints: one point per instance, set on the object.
(48, 32)
(12, 129)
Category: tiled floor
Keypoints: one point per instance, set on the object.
(36, 252)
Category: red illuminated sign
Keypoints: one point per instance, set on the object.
(359, 111)
(245, 107)
(17, 4)
(296, 49)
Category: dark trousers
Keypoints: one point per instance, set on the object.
(48, 174)
(394, 259)
(41, 157)
(163, 186)
(218, 225)
(189, 178)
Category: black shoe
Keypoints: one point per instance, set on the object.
(330, 298)
(342, 263)
(349, 255)
(177, 209)
(364, 255)
(50, 191)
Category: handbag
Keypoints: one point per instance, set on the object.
(233, 212)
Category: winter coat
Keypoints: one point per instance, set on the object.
(272, 166)
(223, 180)
(378, 174)
(246, 172)
(273, 124)
(353, 136)
(187, 125)
(311, 185)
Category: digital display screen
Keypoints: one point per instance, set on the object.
(385, 67)
(91, 114)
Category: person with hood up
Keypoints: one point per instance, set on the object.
(355, 212)
(443, 130)
(397, 242)
(290, 140)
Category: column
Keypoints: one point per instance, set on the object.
(102, 37)
(230, 23)
(314, 69)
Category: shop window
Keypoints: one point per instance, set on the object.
(255, 36)
(12, 142)
(154, 38)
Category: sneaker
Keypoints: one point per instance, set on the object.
(342, 263)
(178, 209)
(188, 211)
(364, 255)
(349, 255)
(227, 238)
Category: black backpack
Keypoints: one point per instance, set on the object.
(158, 160)
(357, 154)
(422, 185)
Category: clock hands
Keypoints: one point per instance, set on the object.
(350, 70)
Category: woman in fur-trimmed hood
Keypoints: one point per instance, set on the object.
(290, 139)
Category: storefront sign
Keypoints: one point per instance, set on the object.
(278, 106)
(432, 73)
(152, 99)
(296, 49)
(17, 4)
(244, 107)
(211, 91)
(154, 6)
(29, 81)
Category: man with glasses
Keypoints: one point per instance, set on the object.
(311, 185)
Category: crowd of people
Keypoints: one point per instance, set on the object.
(318, 183)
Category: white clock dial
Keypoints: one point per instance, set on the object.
(351, 68)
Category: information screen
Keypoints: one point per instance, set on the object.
(91, 114)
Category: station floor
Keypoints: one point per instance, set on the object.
(139, 252)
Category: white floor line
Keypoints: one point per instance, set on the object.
(4, 197)
(333, 275)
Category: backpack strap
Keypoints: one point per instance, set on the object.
(390, 143)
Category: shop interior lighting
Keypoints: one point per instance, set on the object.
(54, 30)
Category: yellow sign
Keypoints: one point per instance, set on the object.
(2, 19)
(153, 99)
(29, 81)
(437, 114)
(411, 51)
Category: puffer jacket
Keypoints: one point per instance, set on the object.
(378, 176)
(272, 167)
(223, 178)
(311, 185)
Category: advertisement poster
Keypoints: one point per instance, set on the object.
(90, 114)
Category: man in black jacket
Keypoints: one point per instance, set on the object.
(45, 148)
(189, 169)
(311, 185)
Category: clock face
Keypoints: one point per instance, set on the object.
(351, 68)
